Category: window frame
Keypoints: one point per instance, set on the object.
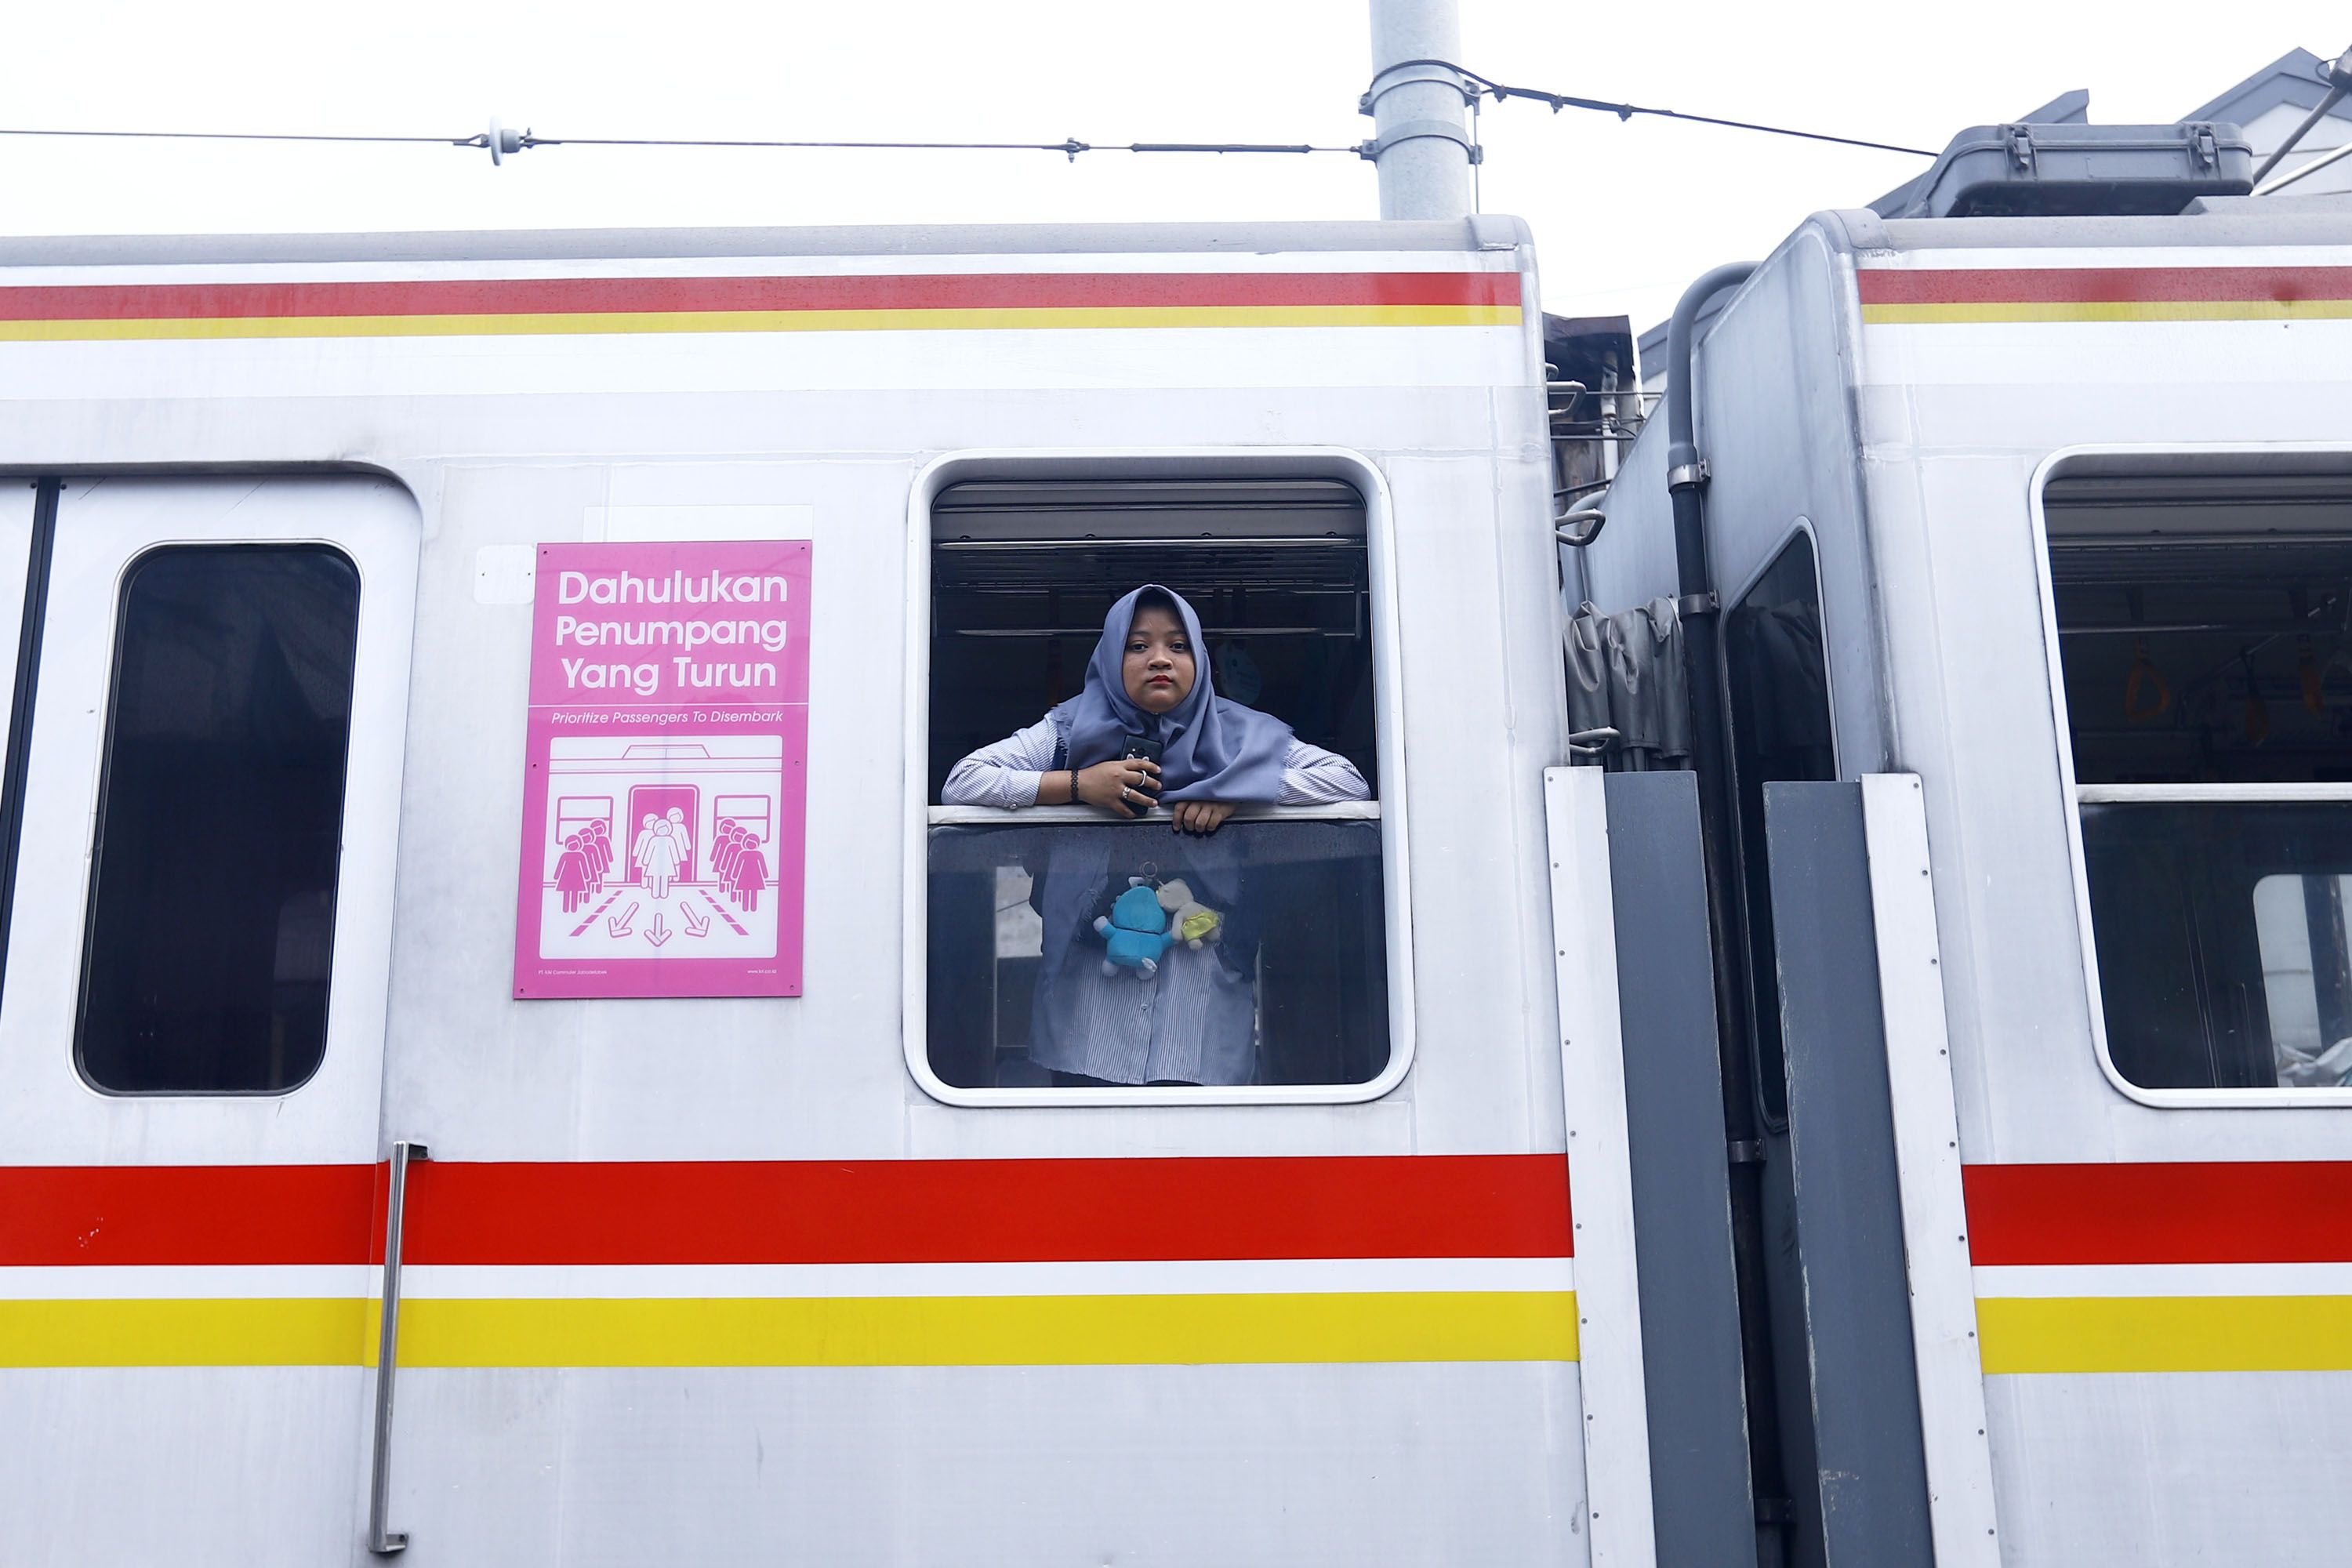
(1039, 464)
(2148, 461)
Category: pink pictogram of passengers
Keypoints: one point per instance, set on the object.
(750, 876)
(659, 853)
(722, 859)
(596, 843)
(571, 873)
(741, 868)
(662, 852)
(579, 868)
(740, 863)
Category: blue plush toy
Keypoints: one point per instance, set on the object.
(1135, 932)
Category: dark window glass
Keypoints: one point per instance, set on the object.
(211, 907)
(1779, 691)
(2195, 662)
(1288, 985)
(2220, 937)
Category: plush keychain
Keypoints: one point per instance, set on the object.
(1195, 922)
(1135, 932)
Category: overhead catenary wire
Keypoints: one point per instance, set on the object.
(1498, 91)
(496, 141)
(1069, 146)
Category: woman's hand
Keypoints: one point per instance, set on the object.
(1199, 816)
(1127, 786)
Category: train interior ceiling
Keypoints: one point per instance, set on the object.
(2205, 626)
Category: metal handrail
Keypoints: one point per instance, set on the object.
(2211, 793)
(383, 1541)
(1064, 815)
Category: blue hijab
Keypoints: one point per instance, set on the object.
(1215, 748)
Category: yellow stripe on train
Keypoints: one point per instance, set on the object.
(896, 1331)
(2165, 1333)
(213, 1331)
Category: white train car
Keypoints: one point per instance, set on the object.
(2052, 514)
(505, 1058)
(352, 1046)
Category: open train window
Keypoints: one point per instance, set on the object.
(1271, 939)
(2203, 625)
(212, 898)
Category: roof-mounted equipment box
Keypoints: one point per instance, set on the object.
(2056, 171)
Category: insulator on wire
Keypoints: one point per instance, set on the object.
(501, 142)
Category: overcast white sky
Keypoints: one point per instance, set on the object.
(1623, 214)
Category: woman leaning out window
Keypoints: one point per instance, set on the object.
(1117, 1002)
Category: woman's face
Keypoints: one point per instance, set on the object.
(1157, 670)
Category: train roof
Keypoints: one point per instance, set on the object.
(1481, 233)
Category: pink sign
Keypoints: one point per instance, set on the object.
(664, 808)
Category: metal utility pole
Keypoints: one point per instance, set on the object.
(1420, 147)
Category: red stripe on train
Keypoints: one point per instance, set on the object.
(2076, 285)
(880, 1211)
(596, 296)
(58, 1215)
(990, 1211)
(2253, 1211)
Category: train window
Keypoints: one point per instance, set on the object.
(1777, 676)
(211, 899)
(1072, 949)
(2204, 633)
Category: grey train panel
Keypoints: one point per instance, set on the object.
(1778, 423)
(1842, 1321)
(1682, 1211)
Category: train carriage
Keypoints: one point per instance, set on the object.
(1826, 1040)
(687, 1227)
(2051, 515)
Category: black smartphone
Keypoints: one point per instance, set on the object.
(1145, 749)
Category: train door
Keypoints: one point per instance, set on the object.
(201, 798)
